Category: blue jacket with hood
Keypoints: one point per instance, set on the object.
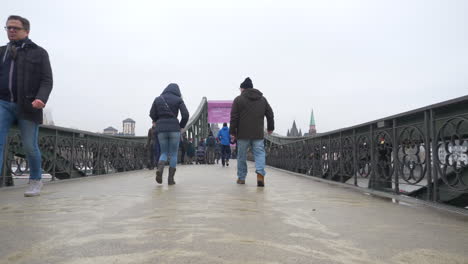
(224, 136)
(166, 108)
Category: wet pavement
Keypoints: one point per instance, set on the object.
(207, 218)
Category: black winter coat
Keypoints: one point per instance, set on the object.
(34, 79)
(166, 108)
(247, 115)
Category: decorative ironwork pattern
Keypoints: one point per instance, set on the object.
(364, 166)
(335, 156)
(316, 158)
(452, 153)
(347, 155)
(421, 153)
(412, 155)
(383, 153)
(70, 153)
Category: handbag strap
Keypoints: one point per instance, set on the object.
(168, 108)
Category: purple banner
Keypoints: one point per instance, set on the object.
(219, 111)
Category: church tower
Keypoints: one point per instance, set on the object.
(312, 129)
(294, 132)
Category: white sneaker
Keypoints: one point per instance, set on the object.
(34, 189)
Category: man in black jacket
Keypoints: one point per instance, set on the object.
(247, 126)
(25, 85)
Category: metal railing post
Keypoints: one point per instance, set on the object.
(55, 155)
(4, 161)
(340, 158)
(70, 167)
(372, 174)
(427, 153)
(395, 157)
(355, 166)
(435, 164)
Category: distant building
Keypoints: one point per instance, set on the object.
(128, 127)
(312, 128)
(293, 132)
(110, 131)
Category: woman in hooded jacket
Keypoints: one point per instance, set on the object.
(164, 112)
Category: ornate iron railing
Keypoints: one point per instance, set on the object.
(68, 153)
(421, 153)
(197, 127)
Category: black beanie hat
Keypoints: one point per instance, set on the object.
(247, 83)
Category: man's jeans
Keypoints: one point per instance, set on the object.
(225, 153)
(258, 149)
(29, 134)
(169, 144)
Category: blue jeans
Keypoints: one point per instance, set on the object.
(258, 149)
(169, 144)
(29, 135)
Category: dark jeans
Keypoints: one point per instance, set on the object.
(156, 149)
(225, 153)
(182, 156)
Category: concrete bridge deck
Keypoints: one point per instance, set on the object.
(207, 218)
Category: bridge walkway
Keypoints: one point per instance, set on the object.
(207, 218)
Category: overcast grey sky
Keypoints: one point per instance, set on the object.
(352, 61)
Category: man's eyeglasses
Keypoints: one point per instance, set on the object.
(13, 28)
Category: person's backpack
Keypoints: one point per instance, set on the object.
(210, 141)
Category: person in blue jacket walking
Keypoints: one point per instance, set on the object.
(225, 139)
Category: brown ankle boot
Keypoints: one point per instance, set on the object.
(239, 181)
(260, 180)
(159, 171)
(170, 179)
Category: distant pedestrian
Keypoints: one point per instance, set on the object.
(25, 86)
(182, 147)
(150, 146)
(201, 152)
(225, 139)
(190, 151)
(164, 112)
(185, 144)
(156, 146)
(210, 148)
(247, 126)
(217, 151)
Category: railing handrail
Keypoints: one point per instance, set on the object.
(196, 115)
(421, 110)
(93, 134)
